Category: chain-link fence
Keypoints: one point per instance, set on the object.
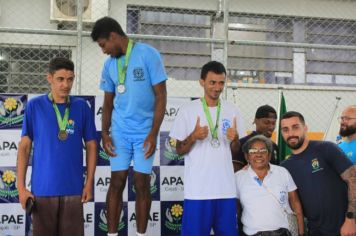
(263, 44)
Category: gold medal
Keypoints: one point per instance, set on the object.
(62, 135)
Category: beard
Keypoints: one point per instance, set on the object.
(267, 134)
(347, 131)
(296, 145)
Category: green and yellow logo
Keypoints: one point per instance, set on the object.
(102, 153)
(315, 165)
(153, 187)
(8, 187)
(103, 224)
(10, 111)
(70, 126)
(174, 218)
(170, 151)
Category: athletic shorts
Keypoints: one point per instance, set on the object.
(200, 216)
(130, 149)
(58, 216)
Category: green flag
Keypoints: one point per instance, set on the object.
(283, 149)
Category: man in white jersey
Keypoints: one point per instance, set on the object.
(206, 134)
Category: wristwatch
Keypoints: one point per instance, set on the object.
(350, 215)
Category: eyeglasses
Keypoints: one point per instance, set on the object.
(255, 151)
(345, 118)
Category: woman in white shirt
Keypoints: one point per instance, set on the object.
(266, 192)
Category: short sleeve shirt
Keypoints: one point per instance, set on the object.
(134, 109)
(206, 167)
(324, 195)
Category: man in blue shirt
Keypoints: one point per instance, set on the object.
(134, 85)
(348, 131)
(325, 177)
(56, 124)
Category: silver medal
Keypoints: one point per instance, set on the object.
(215, 143)
(121, 88)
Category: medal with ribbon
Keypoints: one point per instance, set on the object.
(62, 123)
(122, 70)
(213, 129)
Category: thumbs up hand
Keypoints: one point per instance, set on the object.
(200, 132)
(231, 133)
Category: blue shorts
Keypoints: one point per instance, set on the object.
(128, 149)
(200, 216)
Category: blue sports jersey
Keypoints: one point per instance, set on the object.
(134, 109)
(349, 149)
(57, 166)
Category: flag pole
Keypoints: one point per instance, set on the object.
(283, 148)
(280, 92)
(332, 117)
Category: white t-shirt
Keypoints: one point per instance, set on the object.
(208, 172)
(261, 210)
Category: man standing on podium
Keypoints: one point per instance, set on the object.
(56, 124)
(207, 133)
(135, 97)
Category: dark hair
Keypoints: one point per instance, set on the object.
(213, 66)
(104, 26)
(256, 138)
(291, 114)
(264, 111)
(59, 63)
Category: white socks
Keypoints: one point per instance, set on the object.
(116, 234)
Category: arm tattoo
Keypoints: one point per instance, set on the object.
(349, 176)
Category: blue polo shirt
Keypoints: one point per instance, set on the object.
(349, 148)
(134, 109)
(57, 166)
(324, 195)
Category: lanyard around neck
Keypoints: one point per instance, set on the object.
(62, 123)
(122, 71)
(213, 129)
